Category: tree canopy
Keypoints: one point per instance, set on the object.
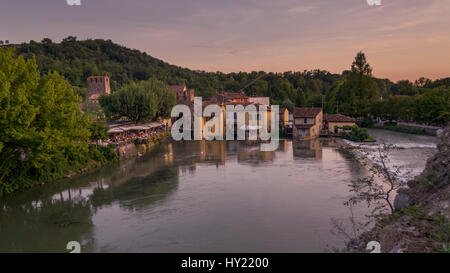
(142, 101)
(43, 132)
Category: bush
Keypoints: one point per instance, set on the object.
(357, 134)
(102, 154)
(367, 122)
(390, 123)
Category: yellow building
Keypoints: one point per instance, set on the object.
(250, 117)
(284, 117)
(307, 123)
(333, 121)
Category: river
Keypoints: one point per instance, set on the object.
(198, 196)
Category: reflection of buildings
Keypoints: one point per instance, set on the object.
(213, 151)
(252, 153)
(307, 148)
(217, 153)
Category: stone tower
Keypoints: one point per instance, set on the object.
(98, 85)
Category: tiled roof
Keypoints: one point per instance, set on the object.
(306, 112)
(177, 88)
(223, 97)
(337, 118)
(229, 95)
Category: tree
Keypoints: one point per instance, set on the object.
(433, 106)
(384, 180)
(44, 133)
(289, 105)
(360, 65)
(143, 101)
(360, 90)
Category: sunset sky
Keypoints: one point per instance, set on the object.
(403, 39)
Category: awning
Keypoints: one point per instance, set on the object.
(115, 130)
(138, 128)
(250, 127)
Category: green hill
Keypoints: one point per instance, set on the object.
(77, 60)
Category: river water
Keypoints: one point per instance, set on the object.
(198, 196)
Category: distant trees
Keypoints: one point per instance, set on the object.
(432, 106)
(353, 92)
(142, 101)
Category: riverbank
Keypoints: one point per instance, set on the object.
(407, 129)
(101, 156)
(421, 222)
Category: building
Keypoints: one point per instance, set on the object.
(97, 86)
(184, 95)
(227, 97)
(333, 121)
(260, 100)
(252, 120)
(284, 117)
(307, 123)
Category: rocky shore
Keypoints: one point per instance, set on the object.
(421, 222)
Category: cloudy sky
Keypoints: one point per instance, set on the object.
(403, 39)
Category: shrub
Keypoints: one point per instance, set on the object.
(367, 122)
(356, 134)
(390, 123)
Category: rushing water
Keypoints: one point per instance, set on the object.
(222, 196)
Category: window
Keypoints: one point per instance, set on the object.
(305, 121)
(258, 116)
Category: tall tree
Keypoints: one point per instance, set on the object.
(360, 65)
(360, 89)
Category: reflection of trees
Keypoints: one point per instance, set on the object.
(352, 163)
(47, 224)
(46, 218)
(138, 192)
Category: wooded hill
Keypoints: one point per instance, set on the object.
(76, 60)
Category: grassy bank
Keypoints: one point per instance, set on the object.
(405, 129)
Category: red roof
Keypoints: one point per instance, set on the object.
(177, 88)
(306, 112)
(337, 118)
(225, 96)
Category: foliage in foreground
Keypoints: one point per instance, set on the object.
(44, 135)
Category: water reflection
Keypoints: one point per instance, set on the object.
(308, 149)
(190, 196)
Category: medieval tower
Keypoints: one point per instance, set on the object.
(98, 85)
